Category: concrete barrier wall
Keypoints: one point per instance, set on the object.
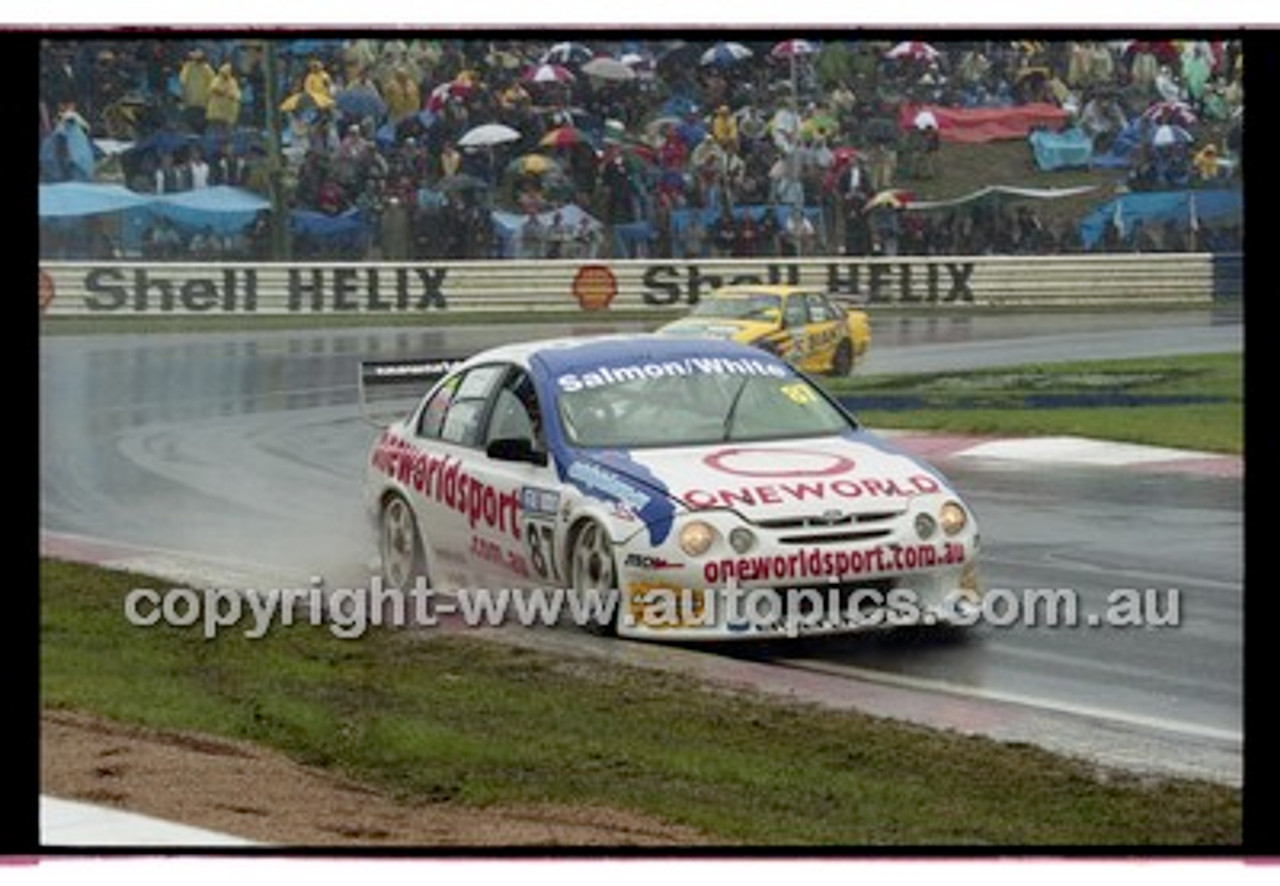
(132, 288)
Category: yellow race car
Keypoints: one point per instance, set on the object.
(802, 326)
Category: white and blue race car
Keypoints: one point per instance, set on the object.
(701, 489)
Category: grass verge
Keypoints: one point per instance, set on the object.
(457, 719)
(1192, 402)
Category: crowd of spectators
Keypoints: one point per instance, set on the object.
(779, 153)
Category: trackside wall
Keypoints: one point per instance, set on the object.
(134, 288)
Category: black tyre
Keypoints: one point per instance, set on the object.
(842, 362)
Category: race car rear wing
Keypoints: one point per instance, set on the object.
(847, 301)
(396, 385)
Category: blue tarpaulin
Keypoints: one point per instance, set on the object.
(66, 154)
(224, 209)
(310, 223)
(508, 226)
(1069, 149)
(1158, 207)
(681, 218)
(73, 199)
(633, 239)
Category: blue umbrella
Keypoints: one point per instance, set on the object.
(725, 53)
(691, 132)
(162, 141)
(678, 106)
(359, 101)
(385, 136)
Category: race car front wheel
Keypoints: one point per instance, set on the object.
(400, 545)
(592, 571)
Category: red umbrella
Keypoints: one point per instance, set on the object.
(630, 151)
(549, 73)
(564, 137)
(914, 50)
(793, 48)
(1164, 50)
(1180, 113)
(446, 92)
(842, 155)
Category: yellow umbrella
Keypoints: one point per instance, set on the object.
(533, 164)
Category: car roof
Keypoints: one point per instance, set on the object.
(557, 352)
(735, 290)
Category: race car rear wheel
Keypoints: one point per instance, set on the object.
(400, 545)
(842, 362)
(592, 569)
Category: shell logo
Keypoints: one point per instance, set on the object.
(594, 286)
(46, 291)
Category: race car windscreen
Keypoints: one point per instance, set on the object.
(754, 306)
(697, 410)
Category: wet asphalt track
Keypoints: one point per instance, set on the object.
(250, 448)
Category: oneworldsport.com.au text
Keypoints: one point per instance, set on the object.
(351, 612)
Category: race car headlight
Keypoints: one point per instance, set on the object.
(953, 517)
(696, 537)
(741, 539)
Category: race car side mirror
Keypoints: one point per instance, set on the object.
(515, 449)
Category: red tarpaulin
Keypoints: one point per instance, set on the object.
(974, 125)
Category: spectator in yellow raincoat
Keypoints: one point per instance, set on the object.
(514, 96)
(195, 77)
(1206, 163)
(317, 86)
(724, 129)
(223, 108)
(401, 95)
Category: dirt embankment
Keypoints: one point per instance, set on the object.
(247, 791)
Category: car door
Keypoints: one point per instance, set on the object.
(824, 333)
(790, 342)
(449, 435)
(514, 532)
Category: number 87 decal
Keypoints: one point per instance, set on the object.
(540, 541)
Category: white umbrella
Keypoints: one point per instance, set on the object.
(487, 135)
(925, 120)
(549, 73)
(1167, 134)
(607, 68)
